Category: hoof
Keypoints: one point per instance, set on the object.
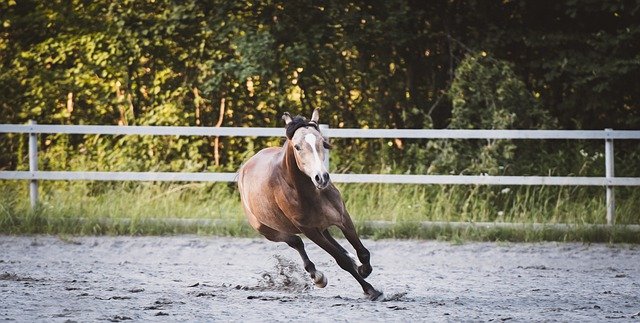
(320, 280)
(375, 295)
(365, 270)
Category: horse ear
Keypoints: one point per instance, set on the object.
(315, 116)
(287, 118)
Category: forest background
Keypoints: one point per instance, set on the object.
(366, 64)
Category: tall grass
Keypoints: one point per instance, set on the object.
(470, 203)
(122, 208)
(405, 211)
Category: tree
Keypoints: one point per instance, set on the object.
(377, 64)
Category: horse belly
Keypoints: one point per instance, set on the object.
(266, 212)
(279, 222)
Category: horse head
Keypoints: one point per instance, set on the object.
(308, 146)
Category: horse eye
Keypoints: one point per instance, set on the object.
(297, 147)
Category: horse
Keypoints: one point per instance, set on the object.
(286, 191)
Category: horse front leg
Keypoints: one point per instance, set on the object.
(296, 243)
(327, 235)
(318, 277)
(349, 231)
(342, 259)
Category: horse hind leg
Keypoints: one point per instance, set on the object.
(296, 243)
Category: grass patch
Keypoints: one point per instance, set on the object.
(379, 210)
(123, 208)
(459, 232)
(470, 203)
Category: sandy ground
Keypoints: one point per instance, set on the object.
(194, 278)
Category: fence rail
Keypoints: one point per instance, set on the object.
(331, 132)
(338, 178)
(609, 181)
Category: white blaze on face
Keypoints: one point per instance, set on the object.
(311, 140)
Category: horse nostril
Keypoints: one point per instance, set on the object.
(317, 178)
(326, 177)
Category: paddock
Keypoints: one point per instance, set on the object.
(197, 278)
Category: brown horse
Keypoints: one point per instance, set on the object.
(286, 191)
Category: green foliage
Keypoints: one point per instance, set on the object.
(391, 64)
(486, 94)
(381, 64)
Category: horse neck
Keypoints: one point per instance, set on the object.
(292, 172)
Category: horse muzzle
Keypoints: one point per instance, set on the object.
(321, 181)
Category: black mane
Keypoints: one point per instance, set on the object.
(296, 123)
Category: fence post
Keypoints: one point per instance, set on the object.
(609, 174)
(323, 130)
(33, 166)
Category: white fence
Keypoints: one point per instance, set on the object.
(608, 181)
